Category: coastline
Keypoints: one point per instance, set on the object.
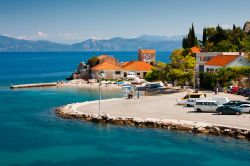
(120, 111)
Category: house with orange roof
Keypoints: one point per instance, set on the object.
(111, 71)
(108, 70)
(140, 68)
(204, 57)
(221, 60)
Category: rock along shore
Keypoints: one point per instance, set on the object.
(69, 112)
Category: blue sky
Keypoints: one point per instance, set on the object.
(70, 21)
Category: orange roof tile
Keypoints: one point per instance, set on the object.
(137, 66)
(147, 51)
(124, 64)
(106, 66)
(221, 60)
(102, 56)
(195, 50)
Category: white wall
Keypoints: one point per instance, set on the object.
(239, 62)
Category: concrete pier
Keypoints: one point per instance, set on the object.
(33, 85)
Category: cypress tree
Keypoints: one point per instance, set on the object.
(204, 37)
(190, 40)
(192, 36)
(184, 43)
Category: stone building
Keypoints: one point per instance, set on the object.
(148, 56)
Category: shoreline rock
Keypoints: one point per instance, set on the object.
(68, 112)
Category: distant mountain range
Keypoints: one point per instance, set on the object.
(160, 43)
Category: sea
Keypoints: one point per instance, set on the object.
(31, 134)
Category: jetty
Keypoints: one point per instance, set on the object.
(33, 85)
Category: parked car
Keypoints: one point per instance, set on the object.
(233, 102)
(229, 110)
(233, 107)
(190, 102)
(206, 105)
(219, 100)
(234, 90)
(246, 92)
(183, 101)
(245, 108)
(240, 91)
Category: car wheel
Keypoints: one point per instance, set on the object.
(198, 110)
(220, 113)
(238, 113)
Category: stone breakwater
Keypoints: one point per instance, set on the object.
(69, 112)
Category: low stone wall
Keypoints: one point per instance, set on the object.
(68, 112)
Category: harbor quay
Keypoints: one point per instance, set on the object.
(160, 112)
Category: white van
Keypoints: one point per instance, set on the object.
(206, 105)
(220, 101)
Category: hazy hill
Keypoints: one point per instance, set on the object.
(160, 43)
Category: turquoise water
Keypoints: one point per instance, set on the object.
(31, 133)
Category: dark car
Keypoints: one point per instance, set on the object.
(241, 91)
(229, 110)
(246, 92)
(233, 102)
(232, 107)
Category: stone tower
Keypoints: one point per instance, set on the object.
(147, 56)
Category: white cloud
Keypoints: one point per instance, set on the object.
(41, 34)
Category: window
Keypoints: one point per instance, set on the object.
(206, 103)
(138, 74)
(118, 72)
(199, 103)
(214, 104)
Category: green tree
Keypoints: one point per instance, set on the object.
(219, 39)
(159, 73)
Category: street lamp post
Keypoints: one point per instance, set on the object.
(100, 96)
(100, 76)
